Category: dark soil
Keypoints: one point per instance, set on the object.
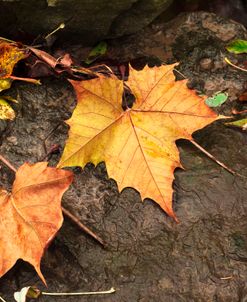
(148, 258)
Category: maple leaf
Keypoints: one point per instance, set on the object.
(137, 145)
(31, 215)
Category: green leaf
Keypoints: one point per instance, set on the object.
(237, 46)
(217, 99)
(99, 50)
(240, 124)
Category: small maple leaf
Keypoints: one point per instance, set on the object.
(31, 215)
(137, 145)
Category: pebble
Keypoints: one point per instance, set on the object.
(12, 140)
(206, 63)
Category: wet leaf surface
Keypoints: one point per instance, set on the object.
(31, 214)
(137, 145)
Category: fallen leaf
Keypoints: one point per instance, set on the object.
(27, 292)
(5, 84)
(137, 145)
(237, 46)
(10, 54)
(31, 215)
(6, 111)
(243, 97)
(66, 60)
(61, 64)
(44, 56)
(242, 123)
(99, 50)
(21, 296)
(217, 99)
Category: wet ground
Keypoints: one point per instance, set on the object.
(148, 258)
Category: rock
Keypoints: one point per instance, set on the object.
(86, 21)
(149, 258)
(198, 42)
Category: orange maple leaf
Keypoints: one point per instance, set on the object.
(31, 215)
(10, 54)
(137, 145)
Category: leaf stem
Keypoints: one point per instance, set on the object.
(67, 213)
(233, 65)
(110, 291)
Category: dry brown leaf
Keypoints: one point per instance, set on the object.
(137, 145)
(31, 215)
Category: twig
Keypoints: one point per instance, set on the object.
(2, 299)
(61, 26)
(110, 291)
(7, 163)
(226, 278)
(33, 81)
(213, 158)
(7, 40)
(179, 72)
(66, 212)
(230, 63)
(234, 111)
(82, 226)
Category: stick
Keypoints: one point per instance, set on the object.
(82, 226)
(233, 65)
(110, 291)
(213, 158)
(33, 81)
(7, 163)
(66, 212)
(238, 112)
(2, 299)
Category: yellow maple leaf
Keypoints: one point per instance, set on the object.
(137, 145)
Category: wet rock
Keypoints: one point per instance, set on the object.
(197, 41)
(85, 21)
(148, 256)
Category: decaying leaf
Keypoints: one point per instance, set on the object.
(10, 54)
(243, 97)
(137, 145)
(61, 64)
(31, 215)
(99, 50)
(5, 84)
(27, 292)
(6, 111)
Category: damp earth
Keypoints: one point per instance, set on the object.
(148, 257)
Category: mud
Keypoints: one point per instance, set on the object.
(148, 256)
